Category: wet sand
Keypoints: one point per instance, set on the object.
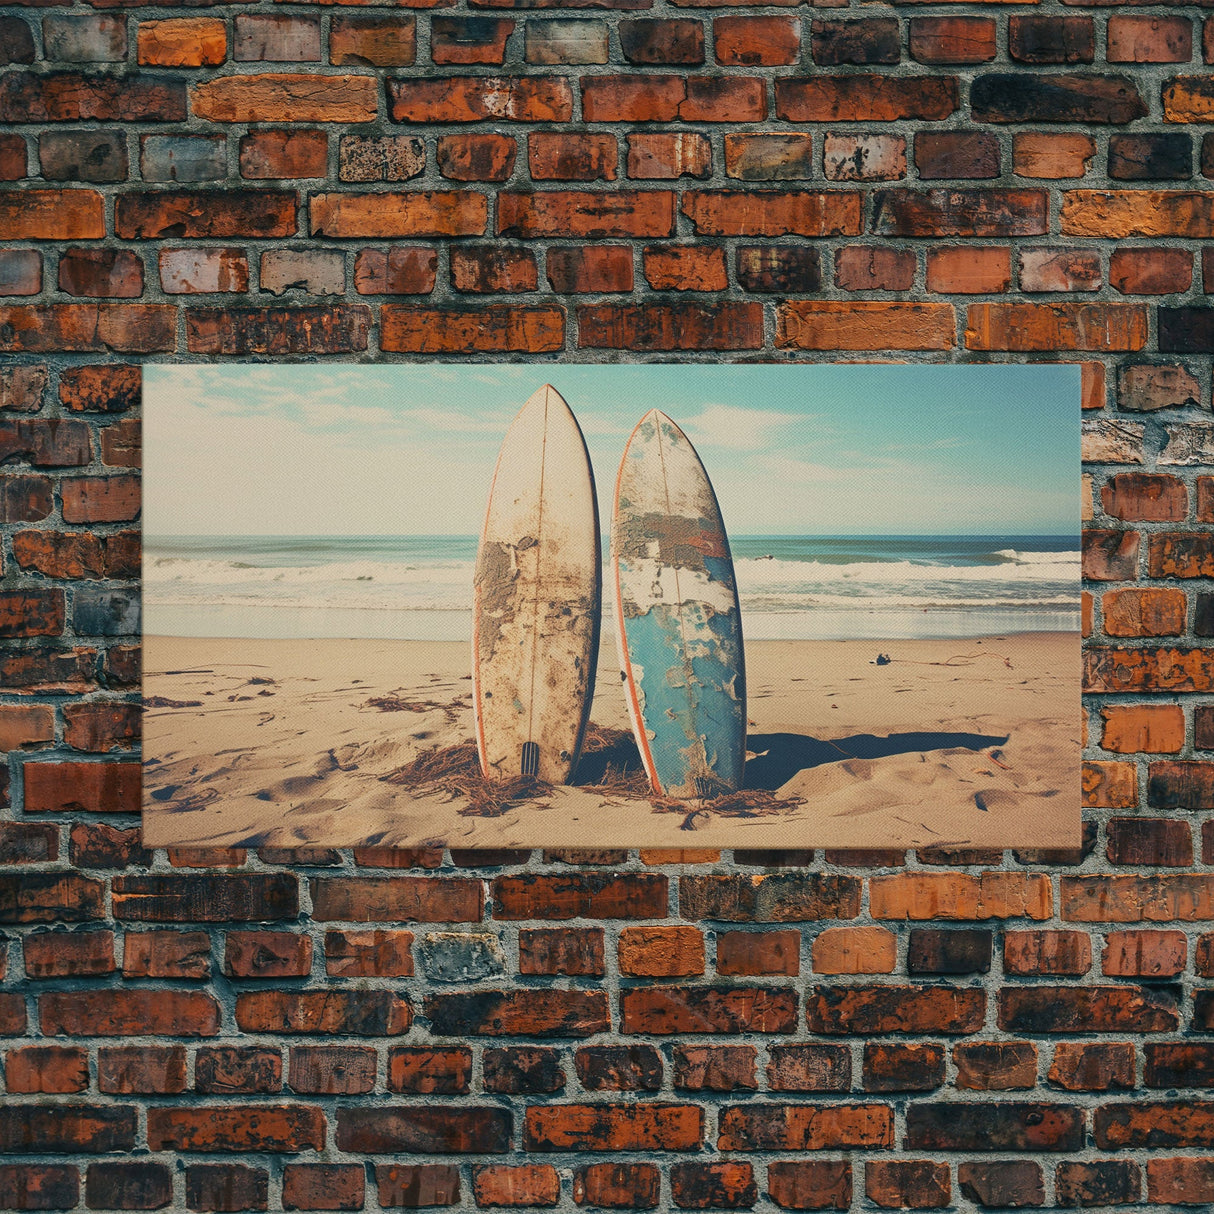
(969, 742)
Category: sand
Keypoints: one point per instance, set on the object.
(282, 743)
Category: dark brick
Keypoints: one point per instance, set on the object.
(1000, 1126)
(130, 1185)
(226, 1187)
(1004, 1184)
(1099, 1182)
(1001, 97)
(619, 1068)
(903, 1068)
(871, 41)
(1051, 39)
(959, 951)
(1150, 157)
(522, 1069)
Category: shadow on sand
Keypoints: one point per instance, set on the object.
(780, 756)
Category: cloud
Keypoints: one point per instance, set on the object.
(737, 428)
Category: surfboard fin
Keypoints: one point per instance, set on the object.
(531, 758)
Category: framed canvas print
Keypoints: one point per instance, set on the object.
(491, 605)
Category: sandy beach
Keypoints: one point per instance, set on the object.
(288, 742)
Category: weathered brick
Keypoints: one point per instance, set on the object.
(662, 98)
(332, 1070)
(617, 1185)
(277, 37)
(504, 1012)
(1133, 613)
(182, 42)
(899, 1184)
(894, 1009)
(66, 1129)
(1056, 326)
(46, 1069)
(993, 1066)
(590, 269)
(991, 895)
(479, 99)
(562, 156)
(1188, 99)
(568, 41)
(1010, 1183)
(1149, 157)
(505, 327)
(320, 1186)
(151, 1069)
(685, 268)
(231, 1069)
(865, 97)
(1122, 213)
(1093, 1066)
(941, 40)
(244, 1127)
(75, 97)
(1098, 1183)
(284, 97)
(809, 1068)
(205, 213)
(756, 953)
(661, 951)
(804, 1127)
(966, 270)
(1151, 728)
(855, 950)
(810, 1184)
(1139, 954)
(1149, 39)
(715, 1068)
(668, 155)
(1179, 1181)
(1029, 97)
(999, 1126)
(414, 1185)
(865, 325)
(847, 157)
(226, 1187)
(955, 951)
(471, 157)
(1051, 39)
(677, 326)
(333, 329)
(723, 1185)
(655, 42)
(196, 271)
(375, 41)
(16, 41)
(1163, 1123)
(394, 1129)
(267, 955)
(380, 158)
(376, 1013)
(25, 1186)
(778, 269)
(1059, 270)
(537, 1184)
(1159, 271)
(956, 154)
(1051, 156)
(709, 1009)
(120, 1012)
(428, 1070)
(759, 41)
(783, 157)
(166, 954)
(903, 1068)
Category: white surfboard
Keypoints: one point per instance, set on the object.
(537, 598)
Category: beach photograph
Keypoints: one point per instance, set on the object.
(600, 605)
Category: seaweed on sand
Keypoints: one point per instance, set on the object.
(456, 772)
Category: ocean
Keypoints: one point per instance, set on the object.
(419, 587)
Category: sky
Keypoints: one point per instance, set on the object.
(811, 449)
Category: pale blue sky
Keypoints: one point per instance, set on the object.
(809, 449)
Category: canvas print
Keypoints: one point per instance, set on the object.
(642, 605)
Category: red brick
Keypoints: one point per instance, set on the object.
(1172, 1123)
(810, 1184)
(756, 953)
(1179, 1181)
(148, 1069)
(685, 268)
(956, 154)
(661, 951)
(397, 1129)
(668, 155)
(995, 1066)
(500, 328)
(28, 842)
(772, 213)
(229, 1069)
(182, 42)
(617, 1185)
(756, 41)
(399, 270)
(101, 273)
(75, 555)
(1149, 39)
(365, 1013)
(414, 1185)
(100, 389)
(618, 1068)
(707, 1009)
(1057, 326)
(480, 98)
(282, 154)
(318, 1186)
(1137, 613)
(865, 325)
(809, 1068)
(51, 215)
(516, 1013)
(1146, 388)
(590, 269)
(563, 156)
(854, 950)
(1012, 1183)
(76, 96)
(874, 268)
(862, 157)
(428, 1070)
(101, 726)
(899, 1184)
(285, 97)
(903, 1068)
(64, 1129)
(46, 1068)
(332, 1070)
(1137, 212)
(1092, 1066)
(938, 40)
(770, 897)
(1145, 497)
(1141, 954)
(865, 97)
(1051, 156)
(96, 845)
(489, 268)
(27, 1186)
(267, 955)
(100, 499)
(378, 41)
(519, 1070)
(379, 952)
(1151, 271)
(959, 896)
(668, 98)
(894, 1009)
(334, 329)
(1153, 728)
(166, 954)
(658, 42)
(778, 270)
(614, 1127)
(20, 269)
(679, 326)
(246, 1127)
(719, 1185)
(714, 1068)
(22, 387)
(801, 1127)
(536, 1184)
(205, 213)
(1059, 270)
(1101, 1182)
(120, 1012)
(783, 157)
(24, 725)
(574, 41)
(431, 213)
(487, 157)
(469, 39)
(87, 787)
(46, 443)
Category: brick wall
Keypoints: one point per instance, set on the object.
(607, 179)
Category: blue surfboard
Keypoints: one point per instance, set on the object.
(678, 621)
